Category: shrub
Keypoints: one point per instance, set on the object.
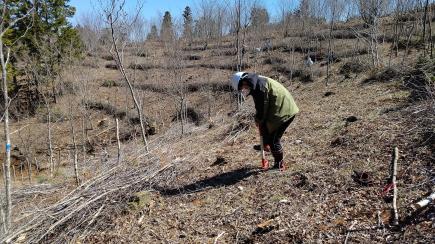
(231, 67)
(192, 57)
(231, 52)
(110, 83)
(143, 66)
(90, 64)
(107, 57)
(67, 87)
(273, 60)
(336, 34)
(354, 66)
(402, 44)
(193, 116)
(55, 116)
(151, 87)
(421, 80)
(150, 124)
(352, 53)
(287, 71)
(111, 66)
(105, 107)
(305, 76)
(383, 75)
(144, 54)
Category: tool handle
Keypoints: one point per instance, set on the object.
(264, 161)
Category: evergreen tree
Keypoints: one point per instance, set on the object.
(51, 40)
(303, 10)
(15, 9)
(46, 42)
(167, 31)
(153, 35)
(51, 22)
(259, 17)
(188, 24)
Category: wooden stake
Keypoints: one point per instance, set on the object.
(395, 158)
(117, 139)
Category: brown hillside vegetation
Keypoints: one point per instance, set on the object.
(201, 180)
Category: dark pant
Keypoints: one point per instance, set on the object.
(274, 140)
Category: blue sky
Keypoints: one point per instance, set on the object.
(155, 8)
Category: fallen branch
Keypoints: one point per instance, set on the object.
(349, 231)
(219, 236)
(86, 209)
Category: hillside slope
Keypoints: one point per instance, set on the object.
(216, 190)
(206, 186)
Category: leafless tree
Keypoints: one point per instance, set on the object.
(117, 20)
(74, 144)
(241, 18)
(4, 60)
(43, 85)
(27, 152)
(335, 9)
(91, 31)
(371, 11)
(179, 87)
(285, 10)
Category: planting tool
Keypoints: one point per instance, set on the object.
(264, 161)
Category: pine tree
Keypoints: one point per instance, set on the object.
(167, 31)
(188, 24)
(51, 39)
(51, 21)
(153, 35)
(259, 17)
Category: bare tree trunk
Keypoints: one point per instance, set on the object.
(238, 27)
(119, 60)
(50, 144)
(431, 43)
(375, 41)
(182, 115)
(408, 40)
(424, 25)
(329, 58)
(84, 138)
(7, 163)
(4, 60)
(29, 170)
(76, 170)
(3, 219)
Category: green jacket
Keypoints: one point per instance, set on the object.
(273, 102)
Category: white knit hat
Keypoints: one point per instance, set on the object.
(236, 79)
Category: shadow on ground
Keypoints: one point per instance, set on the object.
(220, 180)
